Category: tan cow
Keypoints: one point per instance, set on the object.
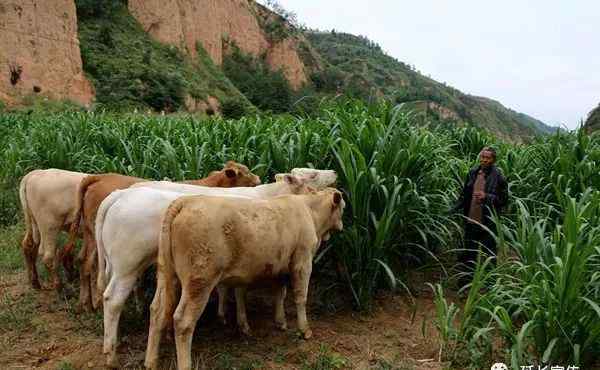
(49, 206)
(95, 188)
(205, 241)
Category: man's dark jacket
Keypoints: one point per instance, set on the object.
(496, 193)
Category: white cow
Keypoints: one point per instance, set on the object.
(127, 233)
(49, 207)
(320, 178)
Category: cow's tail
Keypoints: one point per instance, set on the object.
(30, 225)
(166, 278)
(165, 263)
(67, 252)
(104, 265)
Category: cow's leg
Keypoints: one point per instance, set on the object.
(300, 279)
(84, 275)
(115, 295)
(240, 305)
(30, 252)
(91, 263)
(95, 292)
(48, 237)
(222, 293)
(190, 307)
(279, 303)
(161, 313)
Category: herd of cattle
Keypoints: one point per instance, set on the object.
(224, 231)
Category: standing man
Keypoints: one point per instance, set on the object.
(485, 189)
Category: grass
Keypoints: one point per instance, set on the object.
(65, 365)
(399, 180)
(16, 313)
(11, 257)
(326, 360)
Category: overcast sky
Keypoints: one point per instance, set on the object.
(540, 57)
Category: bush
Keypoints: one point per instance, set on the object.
(97, 8)
(330, 79)
(234, 108)
(267, 90)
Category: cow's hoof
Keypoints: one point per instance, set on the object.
(307, 334)
(150, 364)
(281, 325)
(222, 320)
(245, 329)
(112, 362)
(82, 308)
(36, 285)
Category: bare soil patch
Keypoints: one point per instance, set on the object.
(41, 330)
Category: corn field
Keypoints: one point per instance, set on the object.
(541, 297)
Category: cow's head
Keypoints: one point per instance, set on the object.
(237, 174)
(334, 206)
(295, 184)
(318, 179)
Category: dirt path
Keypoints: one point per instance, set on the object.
(39, 330)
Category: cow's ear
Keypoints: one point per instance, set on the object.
(230, 164)
(230, 172)
(280, 177)
(337, 198)
(290, 179)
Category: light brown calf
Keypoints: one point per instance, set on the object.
(207, 241)
(48, 203)
(95, 188)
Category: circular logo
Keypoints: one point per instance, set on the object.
(499, 366)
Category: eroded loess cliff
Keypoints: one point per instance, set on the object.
(184, 23)
(39, 52)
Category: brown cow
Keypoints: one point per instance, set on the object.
(207, 241)
(95, 188)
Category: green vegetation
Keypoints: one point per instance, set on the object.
(326, 360)
(129, 70)
(11, 258)
(65, 365)
(277, 22)
(400, 180)
(16, 313)
(268, 90)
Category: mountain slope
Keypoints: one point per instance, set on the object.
(228, 56)
(368, 72)
(593, 121)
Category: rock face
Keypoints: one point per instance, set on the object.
(184, 23)
(39, 52)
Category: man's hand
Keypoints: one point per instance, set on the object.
(479, 196)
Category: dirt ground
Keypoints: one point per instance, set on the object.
(40, 330)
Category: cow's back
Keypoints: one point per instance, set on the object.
(244, 240)
(52, 193)
(99, 190)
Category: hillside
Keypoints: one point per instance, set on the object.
(593, 120)
(368, 72)
(130, 70)
(229, 56)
